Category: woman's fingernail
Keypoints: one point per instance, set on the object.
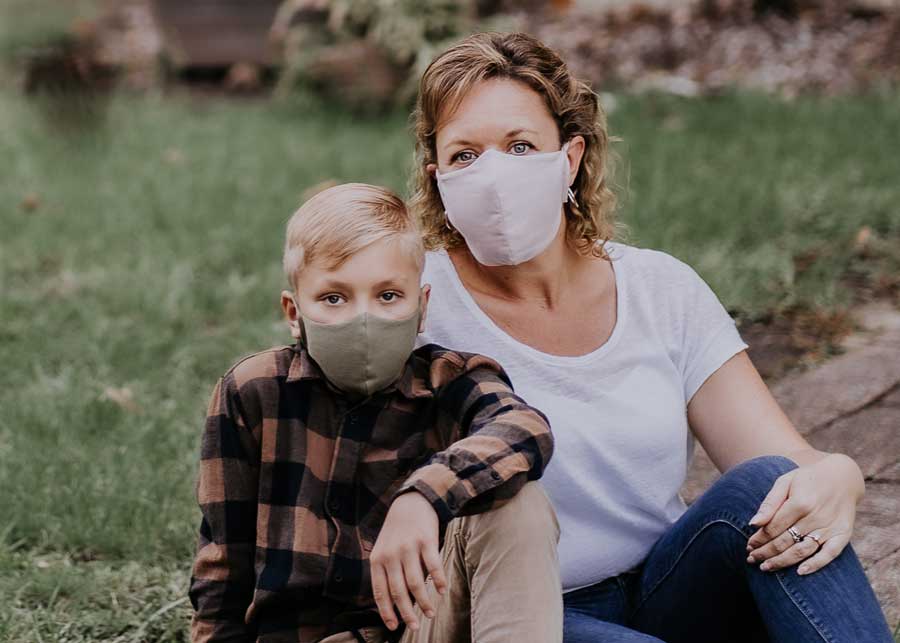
(765, 566)
(429, 614)
(749, 547)
(754, 519)
(751, 559)
(803, 569)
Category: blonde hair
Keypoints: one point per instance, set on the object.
(572, 103)
(340, 221)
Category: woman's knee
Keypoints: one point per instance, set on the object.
(743, 487)
(759, 474)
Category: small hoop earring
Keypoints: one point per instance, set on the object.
(447, 223)
(570, 197)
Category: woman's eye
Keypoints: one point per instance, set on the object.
(389, 296)
(333, 299)
(520, 148)
(464, 157)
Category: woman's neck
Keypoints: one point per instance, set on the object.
(542, 281)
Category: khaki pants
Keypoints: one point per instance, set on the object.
(502, 575)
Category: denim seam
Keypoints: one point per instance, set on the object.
(801, 606)
(723, 518)
(727, 519)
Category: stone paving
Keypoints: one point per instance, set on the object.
(851, 404)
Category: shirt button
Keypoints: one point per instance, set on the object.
(338, 578)
(334, 504)
(495, 475)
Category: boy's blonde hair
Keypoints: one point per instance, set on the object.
(340, 221)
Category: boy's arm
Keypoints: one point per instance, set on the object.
(222, 578)
(499, 444)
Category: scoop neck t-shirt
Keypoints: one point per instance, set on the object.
(618, 413)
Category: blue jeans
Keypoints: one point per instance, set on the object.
(696, 585)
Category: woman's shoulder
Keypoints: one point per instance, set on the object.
(655, 271)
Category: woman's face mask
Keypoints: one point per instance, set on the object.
(507, 207)
(362, 355)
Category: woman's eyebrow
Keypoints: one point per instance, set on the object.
(510, 134)
(521, 130)
(459, 141)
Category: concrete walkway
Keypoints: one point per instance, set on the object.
(851, 404)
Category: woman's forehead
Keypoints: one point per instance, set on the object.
(495, 109)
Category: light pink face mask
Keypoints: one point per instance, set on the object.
(508, 208)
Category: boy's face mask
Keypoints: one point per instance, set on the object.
(362, 355)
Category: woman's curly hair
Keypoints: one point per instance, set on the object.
(572, 103)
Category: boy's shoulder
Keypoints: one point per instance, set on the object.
(271, 363)
(443, 365)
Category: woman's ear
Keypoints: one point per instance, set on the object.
(575, 152)
(431, 168)
(291, 314)
(423, 306)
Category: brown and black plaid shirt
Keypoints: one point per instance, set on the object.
(296, 479)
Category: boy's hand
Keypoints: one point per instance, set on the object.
(406, 545)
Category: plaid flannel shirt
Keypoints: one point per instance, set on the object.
(296, 479)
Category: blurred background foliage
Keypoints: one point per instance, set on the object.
(149, 161)
(369, 54)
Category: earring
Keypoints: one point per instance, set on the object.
(447, 223)
(570, 197)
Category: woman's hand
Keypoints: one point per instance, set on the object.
(406, 545)
(819, 501)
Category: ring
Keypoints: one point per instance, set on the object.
(816, 538)
(796, 535)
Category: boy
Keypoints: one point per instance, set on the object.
(331, 469)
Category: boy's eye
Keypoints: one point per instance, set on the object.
(333, 299)
(389, 295)
(520, 148)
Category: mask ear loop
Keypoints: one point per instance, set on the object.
(301, 336)
(570, 194)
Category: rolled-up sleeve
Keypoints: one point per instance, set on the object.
(496, 444)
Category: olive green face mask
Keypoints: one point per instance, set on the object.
(363, 355)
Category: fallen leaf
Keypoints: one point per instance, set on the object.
(123, 397)
(863, 237)
(31, 202)
(174, 156)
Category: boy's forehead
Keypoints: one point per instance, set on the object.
(382, 261)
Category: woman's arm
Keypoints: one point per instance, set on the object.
(735, 418)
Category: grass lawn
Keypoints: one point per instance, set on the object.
(140, 257)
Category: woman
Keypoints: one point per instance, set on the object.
(631, 356)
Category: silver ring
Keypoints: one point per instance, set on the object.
(796, 535)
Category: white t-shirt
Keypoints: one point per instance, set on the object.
(619, 413)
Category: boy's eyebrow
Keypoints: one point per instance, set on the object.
(388, 283)
(335, 284)
(343, 285)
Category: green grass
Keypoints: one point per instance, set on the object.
(151, 262)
